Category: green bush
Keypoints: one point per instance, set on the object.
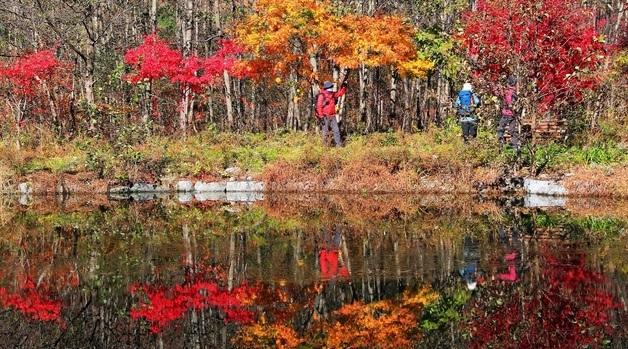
(444, 311)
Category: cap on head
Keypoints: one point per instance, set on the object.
(512, 80)
(328, 85)
(467, 86)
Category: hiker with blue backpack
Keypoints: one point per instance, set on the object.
(466, 104)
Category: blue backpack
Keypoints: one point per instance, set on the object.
(467, 102)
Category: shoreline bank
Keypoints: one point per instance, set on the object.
(601, 182)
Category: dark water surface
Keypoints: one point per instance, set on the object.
(312, 272)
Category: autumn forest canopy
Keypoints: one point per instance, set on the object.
(173, 67)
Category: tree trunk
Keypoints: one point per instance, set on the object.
(406, 120)
(253, 108)
(393, 98)
(293, 120)
(184, 108)
(228, 99)
(146, 102)
(153, 15)
(363, 77)
(88, 83)
(314, 88)
(225, 74)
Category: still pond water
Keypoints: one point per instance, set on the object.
(312, 272)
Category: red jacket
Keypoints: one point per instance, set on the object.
(326, 102)
(329, 263)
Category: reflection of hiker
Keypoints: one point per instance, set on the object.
(511, 246)
(509, 119)
(330, 256)
(471, 256)
(326, 110)
(466, 103)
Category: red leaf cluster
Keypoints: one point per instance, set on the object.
(554, 43)
(154, 59)
(32, 301)
(165, 305)
(27, 72)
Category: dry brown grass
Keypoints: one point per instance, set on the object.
(598, 182)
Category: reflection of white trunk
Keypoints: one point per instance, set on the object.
(297, 258)
(187, 245)
(366, 272)
(397, 264)
(232, 261)
(345, 254)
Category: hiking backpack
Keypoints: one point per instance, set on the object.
(467, 102)
(508, 102)
(328, 98)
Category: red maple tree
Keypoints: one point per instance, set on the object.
(552, 44)
(29, 71)
(154, 59)
(36, 83)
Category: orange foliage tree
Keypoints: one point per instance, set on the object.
(306, 38)
(284, 36)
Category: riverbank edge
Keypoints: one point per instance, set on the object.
(580, 182)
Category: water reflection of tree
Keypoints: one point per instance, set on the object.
(394, 250)
(566, 305)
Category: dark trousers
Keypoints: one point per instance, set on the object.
(469, 129)
(326, 122)
(511, 124)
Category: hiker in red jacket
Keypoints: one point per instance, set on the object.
(326, 110)
(509, 118)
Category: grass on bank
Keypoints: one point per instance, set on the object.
(209, 153)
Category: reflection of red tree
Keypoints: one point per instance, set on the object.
(568, 309)
(165, 305)
(32, 301)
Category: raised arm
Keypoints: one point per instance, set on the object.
(341, 92)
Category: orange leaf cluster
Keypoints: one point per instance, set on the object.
(376, 325)
(383, 324)
(282, 36)
(268, 336)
